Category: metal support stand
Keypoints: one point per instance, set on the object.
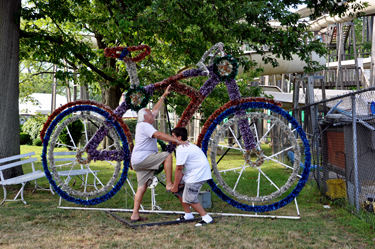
(127, 193)
(182, 212)
(152, 186)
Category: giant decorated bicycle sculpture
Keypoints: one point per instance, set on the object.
(256, 188)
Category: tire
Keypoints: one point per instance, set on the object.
(102, 177)
(258, 187)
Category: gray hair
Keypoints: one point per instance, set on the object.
(141, 114)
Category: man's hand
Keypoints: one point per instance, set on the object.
(177, 178)
(174, 189)
(183, 143)
(167, 91)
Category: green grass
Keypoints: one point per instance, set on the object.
(41, 224)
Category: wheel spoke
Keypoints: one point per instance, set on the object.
(232, 169)
(238, 178)
(260, 170)
(70, 136)
(266, 134)
(66, 145)
(235, 137)
(86, 133)
(256, 135)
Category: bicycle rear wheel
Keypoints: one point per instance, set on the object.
(66, 156)
(256, 180)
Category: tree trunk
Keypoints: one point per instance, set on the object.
(9, 80)
(110, 97)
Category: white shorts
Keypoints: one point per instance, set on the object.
(190, 192)
(145, 169)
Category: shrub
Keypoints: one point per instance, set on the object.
(131, 123)
(24, 138)
(34, 125)
(75, 130)
(37, 142)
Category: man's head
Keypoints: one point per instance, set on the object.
(180, 132)
(145, 115)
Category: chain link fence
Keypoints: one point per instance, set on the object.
(341, 131)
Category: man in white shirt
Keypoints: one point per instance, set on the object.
(192, 171)
(145, 157)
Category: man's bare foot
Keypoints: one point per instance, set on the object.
(139, 219)
(169, 187)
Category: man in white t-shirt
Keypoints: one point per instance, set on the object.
(192, 171)
(145, 158)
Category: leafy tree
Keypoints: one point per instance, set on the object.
(36, 77)
(34, 125)
(75, 133)
(9, 58)
(178, 31)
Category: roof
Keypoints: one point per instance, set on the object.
(43, 105)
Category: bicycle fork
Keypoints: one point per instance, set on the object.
(243, 124)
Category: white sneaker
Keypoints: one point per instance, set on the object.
(182, 217)
(203, 223)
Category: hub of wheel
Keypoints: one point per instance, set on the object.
(254, 152)
(80, 158)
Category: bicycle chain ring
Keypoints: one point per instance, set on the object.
(80, 159)
(134, 100)
(226, 67)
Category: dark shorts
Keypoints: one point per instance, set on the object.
(190, 192)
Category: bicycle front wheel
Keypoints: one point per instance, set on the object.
(258, 179)
(70, 154)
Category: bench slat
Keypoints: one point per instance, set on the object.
(68, 153)
(7, 159)
(7, 166)
(75, 172)
(24, 178)
(64, 159)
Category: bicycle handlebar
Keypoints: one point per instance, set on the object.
(121, 52)
(218, 47)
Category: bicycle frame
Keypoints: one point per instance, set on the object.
(197, 96)
(221, 69)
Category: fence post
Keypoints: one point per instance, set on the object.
(355, 161)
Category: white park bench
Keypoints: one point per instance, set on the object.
(65, 160)
(10, 162)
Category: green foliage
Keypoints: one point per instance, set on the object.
(37, 142)
(367, 45)
(34, 125)
(131, 123)
(75, 130)
(179, 32)
(24, 138)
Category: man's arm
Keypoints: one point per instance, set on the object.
(167, 138)
(177, 178)
(160, 102)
